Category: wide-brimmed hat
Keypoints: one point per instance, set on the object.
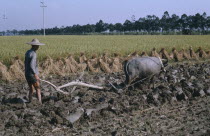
(35, 42)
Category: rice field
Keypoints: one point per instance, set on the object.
(61, 46)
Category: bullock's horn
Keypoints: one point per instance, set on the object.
(162, 64)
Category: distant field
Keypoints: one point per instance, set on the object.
(61, 46)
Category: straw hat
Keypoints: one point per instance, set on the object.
(35, 42)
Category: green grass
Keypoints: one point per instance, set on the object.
(61, 46)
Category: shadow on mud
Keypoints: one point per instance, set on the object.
(14, 101)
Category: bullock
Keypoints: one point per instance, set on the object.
(142, 68)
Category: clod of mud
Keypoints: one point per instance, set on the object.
(75, 116)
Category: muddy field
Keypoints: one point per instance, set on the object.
(179, 104)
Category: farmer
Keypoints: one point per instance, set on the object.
(31, 69)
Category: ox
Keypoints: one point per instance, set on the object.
(142, 68)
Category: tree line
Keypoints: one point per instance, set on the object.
(151, 24)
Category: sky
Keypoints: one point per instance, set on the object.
(27, 14)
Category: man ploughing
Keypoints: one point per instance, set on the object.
(31, 69)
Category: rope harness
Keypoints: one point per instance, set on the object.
(138, 81)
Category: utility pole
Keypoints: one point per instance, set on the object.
(4, 18)
(4, 15)
(43, 6)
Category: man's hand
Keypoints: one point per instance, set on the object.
(37, 77)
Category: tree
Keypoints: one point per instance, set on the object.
(208, 22)
(140, 24)
(151, 23)
(199, 22)
(203, 22)
(118, 27)
(100, 26)
(175, 23)
(165, 21)
(155, 23)
(111, 27)
(127, 25)
(184, 24)
(133, 18)
(14, 31)
(191, 24)
(88, 28)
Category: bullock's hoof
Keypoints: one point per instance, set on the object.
(131, 88)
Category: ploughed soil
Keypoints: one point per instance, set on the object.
(177, 104)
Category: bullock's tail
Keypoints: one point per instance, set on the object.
(125, 64)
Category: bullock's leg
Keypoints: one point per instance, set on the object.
(128, 79)
(152, 82)
(128, 82)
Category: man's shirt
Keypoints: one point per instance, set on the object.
(31, 67)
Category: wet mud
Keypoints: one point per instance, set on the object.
(178, 103)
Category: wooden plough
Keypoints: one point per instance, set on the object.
(73, 83)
